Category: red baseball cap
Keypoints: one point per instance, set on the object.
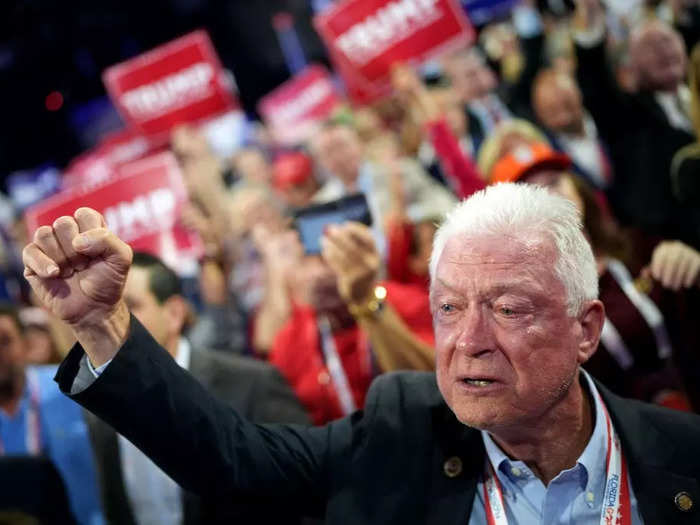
(290, 169)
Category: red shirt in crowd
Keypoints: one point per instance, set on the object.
(298, 354)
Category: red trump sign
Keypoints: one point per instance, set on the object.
(141, 205)
(365, 37)
(181, 81)
(295, 108)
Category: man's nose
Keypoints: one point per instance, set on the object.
(476, 336)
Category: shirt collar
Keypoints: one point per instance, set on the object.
(184, 350)
(592, 459)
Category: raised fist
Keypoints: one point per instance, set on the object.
(78, 268)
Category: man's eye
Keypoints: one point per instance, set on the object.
(447, 308)
(507, 311)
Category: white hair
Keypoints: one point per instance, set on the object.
(515, 209)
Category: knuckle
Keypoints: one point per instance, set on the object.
(86, 213)
(43, 233)
(27, 252)
(63, 222)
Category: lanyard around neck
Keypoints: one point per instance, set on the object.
(645, 306)
(335, 367)
(616, 509)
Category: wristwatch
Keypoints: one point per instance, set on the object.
(372, 307)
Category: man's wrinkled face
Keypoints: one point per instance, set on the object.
(558, 105)
(338, 151)
(507, 351)
(658, 57)
(12, 351)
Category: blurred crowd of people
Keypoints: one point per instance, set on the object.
(599, 103)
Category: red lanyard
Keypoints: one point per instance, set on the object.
(33, 422)
(617, 509)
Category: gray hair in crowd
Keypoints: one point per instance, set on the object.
(512, 210)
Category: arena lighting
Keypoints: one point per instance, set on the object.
(54, 101)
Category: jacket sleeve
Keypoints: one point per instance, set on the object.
(276, 400)
(602, 96)
(519, 93)
(199, 441)
(460, 168)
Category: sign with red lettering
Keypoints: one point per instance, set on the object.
(365, 37)
(295, 108)
(181, 81)
(141, 205)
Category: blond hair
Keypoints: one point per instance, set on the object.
(492, 148)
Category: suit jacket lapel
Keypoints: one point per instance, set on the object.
(653, 465)
(648, 100)
(457, 464)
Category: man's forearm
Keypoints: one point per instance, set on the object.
(393, 343)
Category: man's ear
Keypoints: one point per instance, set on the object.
(177, 311)
(591, 319)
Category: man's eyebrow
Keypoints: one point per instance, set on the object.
(499, 287)
(443, 284)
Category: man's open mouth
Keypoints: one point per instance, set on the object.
(477, 382)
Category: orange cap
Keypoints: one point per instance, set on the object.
(290, 169)
(523, 160)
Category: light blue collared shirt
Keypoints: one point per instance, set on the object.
(574, 496)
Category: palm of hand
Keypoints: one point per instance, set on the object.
(88, 293)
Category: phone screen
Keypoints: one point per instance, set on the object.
(312, 221)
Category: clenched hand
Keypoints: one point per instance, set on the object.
(78, 268)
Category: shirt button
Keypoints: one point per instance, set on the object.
(516, 472)
(590, 498)
(453, 467)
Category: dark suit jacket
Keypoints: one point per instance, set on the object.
(641, 144)
(252, 388)
(386, 464)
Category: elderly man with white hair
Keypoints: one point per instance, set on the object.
(509, 429)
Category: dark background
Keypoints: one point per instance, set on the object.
(51, 45)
